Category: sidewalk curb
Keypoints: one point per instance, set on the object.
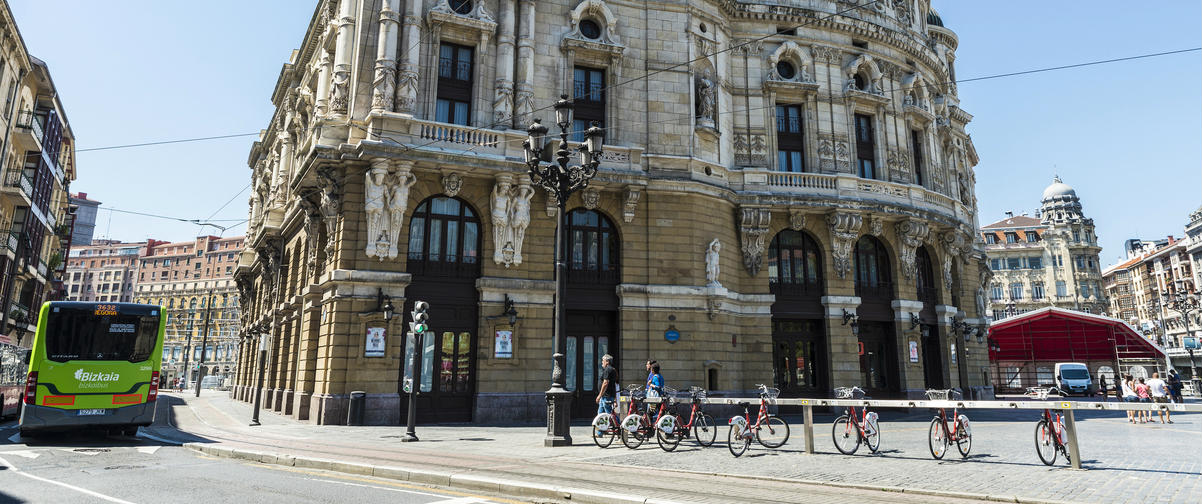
(460, 481)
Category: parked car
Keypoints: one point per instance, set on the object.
(1072, 378)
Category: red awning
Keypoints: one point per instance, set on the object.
(1059, 335)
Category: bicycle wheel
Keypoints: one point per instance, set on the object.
(704, 429)
(634, 439)
(1045, 445)
(845, 435)
(774, 433)
(736, 442)
(668, 442)
(937, 438)
(872, 432)
(963, 438)
(604, 438)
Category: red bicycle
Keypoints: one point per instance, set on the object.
(940, 435)
(671, 428)
(1050, 434)
(606, 426)
(849, 430)
(637, 426)
(769, 430)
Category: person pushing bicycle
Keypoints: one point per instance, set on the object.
(607, 393)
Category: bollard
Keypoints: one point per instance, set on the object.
(1070, 423)
(809, 429)
(354, 412)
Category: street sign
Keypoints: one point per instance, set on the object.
(1191, 343)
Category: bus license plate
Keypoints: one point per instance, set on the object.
(90, 412)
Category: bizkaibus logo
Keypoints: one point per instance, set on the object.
(85, 376)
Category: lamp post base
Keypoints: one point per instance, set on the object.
(559, 431)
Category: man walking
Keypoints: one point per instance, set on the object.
(1160, 395)
(608, 391)
(1175, 386)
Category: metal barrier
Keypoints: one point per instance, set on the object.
(1059, 404)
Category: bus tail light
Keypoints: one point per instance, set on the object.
(154, 387)
(31, 388)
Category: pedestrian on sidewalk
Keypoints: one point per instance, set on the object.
(1129, 396)
(1160, 395)
(607, 393)
(1175, 386)
(655, 387)
(1145, 396)
(1102, 383)
(1118, 391)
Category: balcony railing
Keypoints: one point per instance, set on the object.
(17, 178)
(14, 241)
(801, 180)
(848, 185)
(29, 120)
(19, 313)
(465, 136)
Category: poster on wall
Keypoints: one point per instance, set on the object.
(503, 349)
(373, 346)
(913, 351)
(953, 353)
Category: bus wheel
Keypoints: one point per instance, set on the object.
(130, 431)
(27, 435)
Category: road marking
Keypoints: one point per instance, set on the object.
(461, 500)
(84, 491)
(171, 442)
(444, 492)
(29, 454)
(16, 438)
(148, 449)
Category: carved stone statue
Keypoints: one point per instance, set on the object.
(980, 301)
(707, 99)
(374, 205)
(502, 243)
(965, 196)
(519, 217)
(398, 203)
(712, 268)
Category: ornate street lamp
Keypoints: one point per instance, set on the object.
(561, 179)
(1186, 303)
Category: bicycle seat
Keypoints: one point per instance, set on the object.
(745, 404)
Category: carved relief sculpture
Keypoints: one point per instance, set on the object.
(502, 192)
(591, 198)
(911, 233)
(398, 203)
(375, 207)
(519, 217)
(451, 184)
(797, 219)
(712, 266)
(631, 198)
(753, 225)
(845, 229)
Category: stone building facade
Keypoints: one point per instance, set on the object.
(104, 271)
(37, 161)
(1050, 260)
(194, 283)
(828, 163)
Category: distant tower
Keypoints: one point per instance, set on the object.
(1060, 205)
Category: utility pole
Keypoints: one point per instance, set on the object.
(187, 353)
(204, 342)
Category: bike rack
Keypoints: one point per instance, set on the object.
(1066, 406)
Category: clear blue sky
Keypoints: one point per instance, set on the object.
(1127, 136)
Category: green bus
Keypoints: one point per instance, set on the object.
(93, 365)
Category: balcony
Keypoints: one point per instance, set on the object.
(15, 178)
(19, 313)
(851, 187)
(14, 241)
(31, 123)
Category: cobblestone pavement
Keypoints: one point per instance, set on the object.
(1123, 462)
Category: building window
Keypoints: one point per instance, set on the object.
(995, 293)
(1011, 238)
(1032, 237)
(454, 84)
(790, 141)
(995, 264)
(1061, 288)
(1037, 291)
(865, 145)
(461, 6)
(873, 277)
(1076, 236)
(991, 238)
(925, 279)
(1014, 263)
(588, 95)
(1035, 262)
(1016, 291)
(795, 264)
(444, 239)
(916, 152)
(592, 247)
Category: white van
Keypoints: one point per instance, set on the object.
(1073, 378)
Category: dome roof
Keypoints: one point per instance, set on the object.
(933, 18)
(1058, 189)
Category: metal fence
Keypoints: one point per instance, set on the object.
(1068, 407)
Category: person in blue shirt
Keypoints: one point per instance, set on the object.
(655, 386)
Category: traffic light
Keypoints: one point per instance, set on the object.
(420, 317)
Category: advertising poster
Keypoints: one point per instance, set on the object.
(504, 345)
(913, 351)
(374, 345)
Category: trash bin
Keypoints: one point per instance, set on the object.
(354, 413)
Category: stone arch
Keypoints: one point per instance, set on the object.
(865, 67)
(800, 253)
(792, 53)
(874, 267)
(581, 217)
(914, 89)
(598, 12)
(440, 210)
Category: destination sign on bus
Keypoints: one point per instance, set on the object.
(105, 309)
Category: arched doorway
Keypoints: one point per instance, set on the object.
(799, 349)
(927, 293)
(444, 259)
(877, 337)
(590, 304)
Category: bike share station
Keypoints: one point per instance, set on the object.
(1056, 406)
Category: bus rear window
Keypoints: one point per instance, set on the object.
(73, 334)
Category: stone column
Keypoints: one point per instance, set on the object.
(524, 96)
(322, 103)
(503, 99)
(843, 350)
(946, 314)
(913, 381)
(285, 166)
(406, 87)
(385, 76)
(340, 94)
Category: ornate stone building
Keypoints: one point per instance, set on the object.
(103, 271)
(1051, 260)
(785, 197)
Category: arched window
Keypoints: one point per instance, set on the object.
(192, 304)
(795, 264)
(925, 280)
(873, 279)
(170, 303)
(444, 239)
(592, 244)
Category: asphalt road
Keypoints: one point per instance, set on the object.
(95, 468)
